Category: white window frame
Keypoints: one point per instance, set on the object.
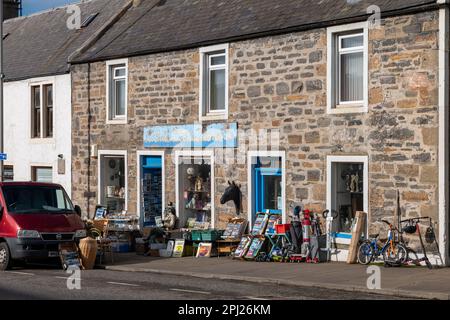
(141, 154)
(206, 53)
(111, 118)
(349, 159)
(102, 153)
(250, 202)
(36, 165)
(334, 106)
(41, 84)
(195, 153)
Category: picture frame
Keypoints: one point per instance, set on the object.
(204, 250)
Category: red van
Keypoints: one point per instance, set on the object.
(34, 219)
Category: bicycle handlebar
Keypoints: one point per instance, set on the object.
(387, 222)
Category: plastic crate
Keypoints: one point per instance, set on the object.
(282, 228)
(211, 235)
(196, 235)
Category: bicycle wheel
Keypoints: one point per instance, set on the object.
(365, 253)
(397, 254)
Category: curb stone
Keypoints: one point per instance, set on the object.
(348, 288)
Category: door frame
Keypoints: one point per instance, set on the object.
(250, 201)
(139, 155)
(195, 153)
(345, 238)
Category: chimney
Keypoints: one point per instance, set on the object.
(12, 8)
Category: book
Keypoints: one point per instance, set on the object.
(259, 227)
(254, 248)
(242, 248)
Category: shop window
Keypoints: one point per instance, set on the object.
(267, 185)
(42, 174)
(214, 81)
(42, 111)
(195, 185)
(347, 68)
(347, 193)
(151, 189)
(8, 173)
(113, 183)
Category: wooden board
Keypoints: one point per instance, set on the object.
(357, 230)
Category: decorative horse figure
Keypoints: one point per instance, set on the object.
(233, 192)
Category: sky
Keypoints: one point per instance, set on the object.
(32, 6)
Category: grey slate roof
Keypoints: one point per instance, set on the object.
(163, 25)
(40, 44)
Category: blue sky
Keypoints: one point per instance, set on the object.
(32, 6)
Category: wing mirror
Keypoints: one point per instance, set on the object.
(78, 210)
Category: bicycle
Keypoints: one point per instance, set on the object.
(393, 252)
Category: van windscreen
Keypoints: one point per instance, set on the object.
(37, 199)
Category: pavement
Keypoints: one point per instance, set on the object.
(407, 282)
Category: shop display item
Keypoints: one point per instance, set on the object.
(69, 256)
(88, 252)
(259, 227)
(204, 250)
(178, 249)
(233, 193)
(235, 228)
(273, 220)
(243, 246)
(255, 247)
(169, 217)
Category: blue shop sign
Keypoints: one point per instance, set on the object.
(216, 135)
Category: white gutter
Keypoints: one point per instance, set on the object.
(443, 131)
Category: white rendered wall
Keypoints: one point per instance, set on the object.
(24, 152)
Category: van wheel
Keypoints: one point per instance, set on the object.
(5, 257)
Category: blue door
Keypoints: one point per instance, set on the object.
(151, 190)
(268, 187)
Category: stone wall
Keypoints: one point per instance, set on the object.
(280, 83)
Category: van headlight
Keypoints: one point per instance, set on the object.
(28, 234)
(81, 233)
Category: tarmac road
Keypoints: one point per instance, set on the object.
(50, 283)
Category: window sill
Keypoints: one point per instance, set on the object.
(214, 116)
(42, 140)
(348, 108)
(117, 121)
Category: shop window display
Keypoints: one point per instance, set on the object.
(347, 194)
(195, 185)
(113, 192)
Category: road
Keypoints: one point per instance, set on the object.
(49, 282)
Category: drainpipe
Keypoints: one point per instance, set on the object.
(88, 194)
(443, 130)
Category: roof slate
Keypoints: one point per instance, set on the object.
(40, 44)
(164, 25)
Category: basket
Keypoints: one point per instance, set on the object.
(196, 235)
(211, 235)
(282, 228)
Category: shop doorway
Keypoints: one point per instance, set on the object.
(195, 189)
(113, 177)
(267, 184)
(347, 192)
(151, 193)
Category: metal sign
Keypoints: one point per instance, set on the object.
(3, 156)
(217, 135)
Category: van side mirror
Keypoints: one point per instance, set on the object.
(78, 210)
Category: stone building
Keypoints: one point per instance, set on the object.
(349, 94)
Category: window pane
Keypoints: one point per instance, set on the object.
(119, 72)
(43, 175)
(351, 42)
(217, 60)
(120, 97)
(48, 111)
(37, 96)
(8, 173)
(36, 112)
(351, 77)
(49, 94)
(217, 94)
(272, 192)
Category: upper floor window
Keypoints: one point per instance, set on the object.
(42, 111)
(347, 68)
(214, 82)
(117, 91)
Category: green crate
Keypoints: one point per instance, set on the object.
(211, 235)
(196, 235)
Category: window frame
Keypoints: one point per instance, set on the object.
(34, 169)
(5, 167)
(111, 153)
(334, 52)
(43, 109)
(206, 67)
(111, 78)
